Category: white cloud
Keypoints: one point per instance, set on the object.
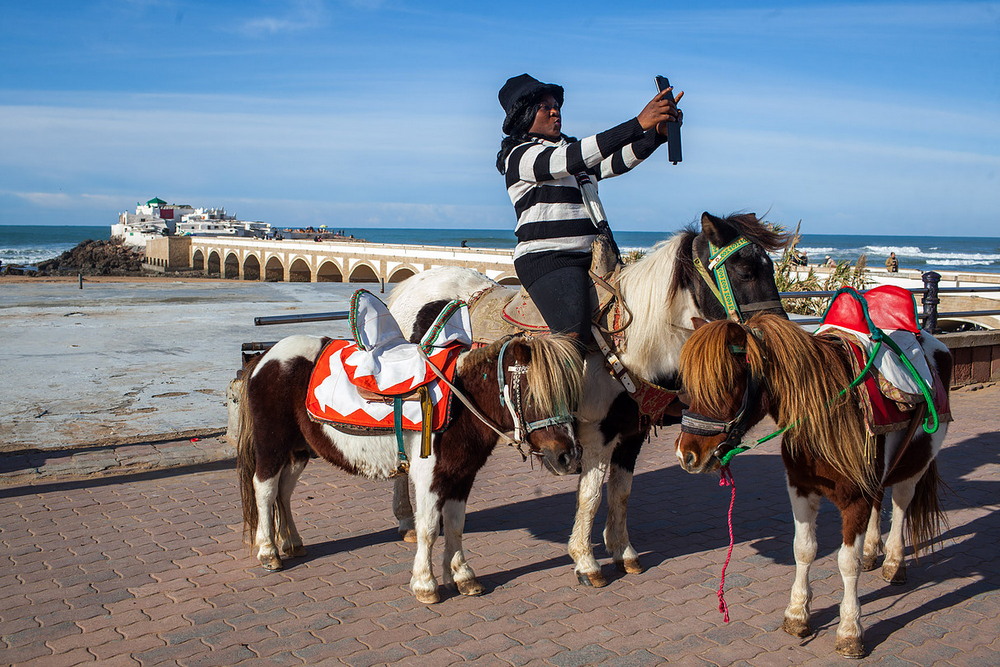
(299, 15)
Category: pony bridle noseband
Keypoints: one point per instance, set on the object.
(717, 279)
(513, 401)
(735, 428)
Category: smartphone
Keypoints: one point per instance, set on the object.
(673, 129)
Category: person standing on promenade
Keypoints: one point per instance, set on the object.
(891, 263)
(545, 174)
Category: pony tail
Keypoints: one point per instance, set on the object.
(246, 456)
(924, 517)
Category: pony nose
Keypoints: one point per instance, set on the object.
(688, 458)
(569, 461)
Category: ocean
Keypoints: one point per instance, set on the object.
(29, 244)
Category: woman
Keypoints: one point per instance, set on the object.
(545, 172)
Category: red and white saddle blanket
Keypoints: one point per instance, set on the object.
(891, 392)
(381, 361)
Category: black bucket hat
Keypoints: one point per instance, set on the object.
(522, 90)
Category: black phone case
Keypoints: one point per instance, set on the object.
(673, 129)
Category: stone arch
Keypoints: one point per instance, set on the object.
(299, 272)
(232, 266)
(401, 274)
(198, 260)
(363, 273)
(329, 272)
(509, 280)
(214, 264)
(251, 268)
(274, 271)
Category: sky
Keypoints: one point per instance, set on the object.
(852, 117)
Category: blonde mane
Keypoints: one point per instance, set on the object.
(661, 322)
(804, 376)
(555, 371)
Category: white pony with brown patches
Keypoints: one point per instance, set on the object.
(664, 293)
(277, 437)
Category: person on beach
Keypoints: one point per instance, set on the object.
(891, 263)
(546, 173)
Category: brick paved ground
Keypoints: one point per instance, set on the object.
(148, 568)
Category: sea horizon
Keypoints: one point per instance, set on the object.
(30, 244)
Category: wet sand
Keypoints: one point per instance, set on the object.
(128, 358)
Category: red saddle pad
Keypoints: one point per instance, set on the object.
(889, 307)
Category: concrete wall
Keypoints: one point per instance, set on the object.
(169, 253)
(977, 356)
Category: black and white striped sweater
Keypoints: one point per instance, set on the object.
(553, 227)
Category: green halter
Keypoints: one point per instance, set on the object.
(719, 284)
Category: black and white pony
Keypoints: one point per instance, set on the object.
(664, 291)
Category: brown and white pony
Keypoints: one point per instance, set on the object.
(664, 293)
(735, 374)
(277, 438)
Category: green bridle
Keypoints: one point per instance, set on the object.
(717, 279)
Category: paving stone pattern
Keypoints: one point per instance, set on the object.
(148, 567)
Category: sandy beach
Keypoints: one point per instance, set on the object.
(125, 358)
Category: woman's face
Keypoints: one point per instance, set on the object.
(548, 120)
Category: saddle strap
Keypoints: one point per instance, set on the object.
(423, 395)
(611, 286)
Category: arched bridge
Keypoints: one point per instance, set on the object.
(319, 261)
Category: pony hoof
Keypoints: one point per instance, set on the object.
(894, 575)
(592, 579)
(296, 551)
(796, 628)
(850, 647)
(869, 563)
(630, 566)
(470, 587)
(427, 597)
(408, 535)
(272, 563)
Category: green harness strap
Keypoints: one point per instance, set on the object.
(720, 285)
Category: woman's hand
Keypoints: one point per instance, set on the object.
(660, 110)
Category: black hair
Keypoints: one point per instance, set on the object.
(523, 121)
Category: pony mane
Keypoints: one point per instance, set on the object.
(804, 375)
(754, 230)
(555, 372)
(655, 336)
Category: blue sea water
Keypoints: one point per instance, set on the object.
(29, 244)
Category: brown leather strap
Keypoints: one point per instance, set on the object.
(373, 397)
(911, 430)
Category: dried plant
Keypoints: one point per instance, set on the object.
(788, 279)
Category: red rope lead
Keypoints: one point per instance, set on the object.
(727, 480)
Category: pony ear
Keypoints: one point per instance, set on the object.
(717, 230)
(698, 322)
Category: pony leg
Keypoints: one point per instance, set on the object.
(265, 492)
(804, 509)
(288, 538)
(894, 567)
(402, 509)
(616, 531)
(456, 568)
(426, 523)
(588, 499)
(873, 536)
(850, 635)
